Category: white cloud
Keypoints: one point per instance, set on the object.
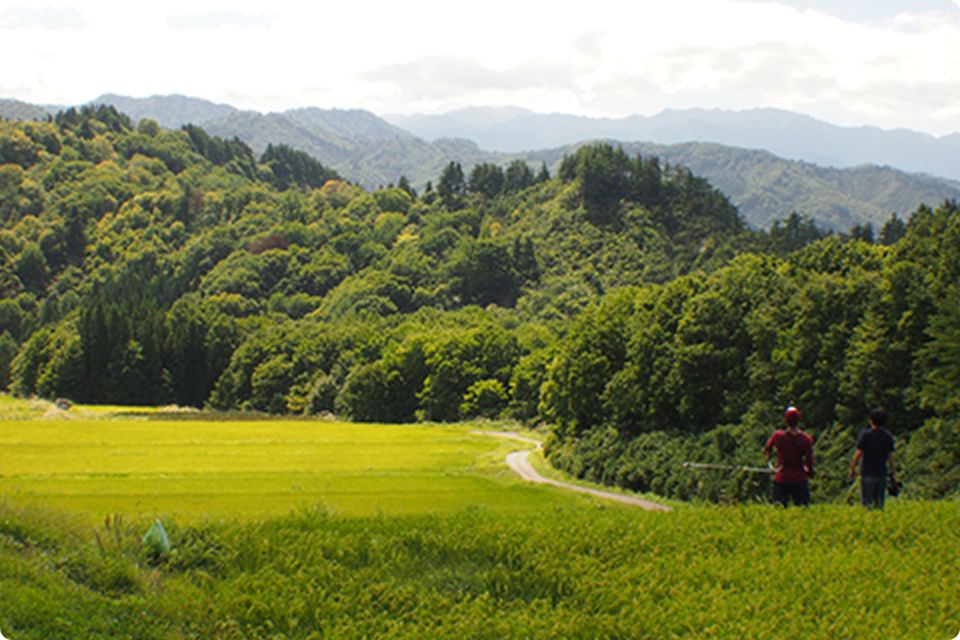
(217, 20)
(590, 43)
(440, 76)
(868, 11)
(53, 18)
(893, 64)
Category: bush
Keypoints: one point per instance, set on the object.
(484, 399)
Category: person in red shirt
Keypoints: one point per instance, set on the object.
(794, 461)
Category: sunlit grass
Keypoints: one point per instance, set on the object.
(17, 409)
(196, 469)
(417, 531)
(583, 570)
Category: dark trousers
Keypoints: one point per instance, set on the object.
(783, 492)
(873, 490)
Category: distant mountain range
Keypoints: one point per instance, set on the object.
(735, 151)
(16, 110)
(789, 135)
(170, 112)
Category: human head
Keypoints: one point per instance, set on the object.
(878, 417)
(792, 416)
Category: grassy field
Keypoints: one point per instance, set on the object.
(285, 529)
(100, 461)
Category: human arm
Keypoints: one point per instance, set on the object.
(767, 447)
(856, 460)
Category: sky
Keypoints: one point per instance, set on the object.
(886, 63)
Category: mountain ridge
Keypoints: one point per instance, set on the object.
(786, 134)
(373, 152)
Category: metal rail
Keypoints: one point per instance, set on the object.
(726, 467)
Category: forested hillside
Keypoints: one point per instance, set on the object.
(767, 188)
(369, 151)
(701, 368)
(622, 301)
(16, 110)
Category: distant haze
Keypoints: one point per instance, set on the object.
(884, 63)
(783, 133)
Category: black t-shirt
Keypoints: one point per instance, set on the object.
(876, 445)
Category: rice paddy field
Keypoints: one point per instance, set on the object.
(100, 461)
(313, 529)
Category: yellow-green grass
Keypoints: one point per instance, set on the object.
(579, 571)
(16, 409)
(204, 469)
(448, 558)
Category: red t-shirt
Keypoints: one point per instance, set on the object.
(794, 456)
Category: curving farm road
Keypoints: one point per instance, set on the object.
(519, 463)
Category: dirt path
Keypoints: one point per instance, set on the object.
(519, 463)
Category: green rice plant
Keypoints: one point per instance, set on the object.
(299, 529)
(250, 469)
(578, 571)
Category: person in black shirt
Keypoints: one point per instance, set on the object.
(875, 455)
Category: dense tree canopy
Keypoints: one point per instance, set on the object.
(624, 303)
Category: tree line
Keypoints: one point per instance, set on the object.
(623, 302)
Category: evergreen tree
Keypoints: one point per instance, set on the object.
(863, 232)
(486, 179)
(518, 176)
(543, 175)
(404, 184)
(452, 187)
(893, 229)
(288, 167)
(794, 233)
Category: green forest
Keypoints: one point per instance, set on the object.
(623, 303)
